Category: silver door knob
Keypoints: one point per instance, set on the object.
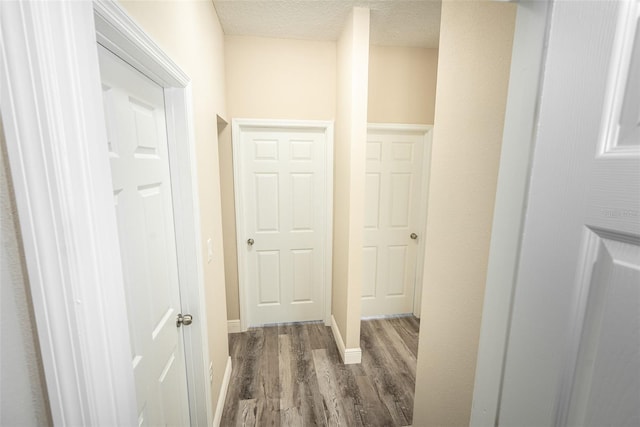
(414, 236)
(250, 242)
(185, 320)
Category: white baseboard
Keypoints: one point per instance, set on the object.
(349, 356)
(387, 316)
(233, 326)
(223, 394)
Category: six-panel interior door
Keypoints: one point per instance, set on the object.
(282, 190)
(573, 354)
(136, 129)
(392, 206)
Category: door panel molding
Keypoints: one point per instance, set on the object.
(623, 78)
(592, 285)
(603, 254)
(66, 213)
(326, 128)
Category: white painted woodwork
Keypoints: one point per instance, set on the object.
(52, 117)
(509, 211)
(573, 355)
(281, 190)
(394, 198)
(138, 151)
(348, 355)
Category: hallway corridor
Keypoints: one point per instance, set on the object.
(291, 375)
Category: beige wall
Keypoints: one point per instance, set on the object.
(349, 171)
(225, 151)
(296, 79)
(402, 84)
(473, 73)
(270, 78)
(280, 79)
(190, 33)
(24, 399)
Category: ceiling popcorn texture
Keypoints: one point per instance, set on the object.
(414, 23)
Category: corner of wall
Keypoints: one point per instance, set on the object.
(349, 356)
(351, 128)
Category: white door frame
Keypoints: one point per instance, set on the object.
(326, 127)
(53, 118)
(427, 132)
(527, 66)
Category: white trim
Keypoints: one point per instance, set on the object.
(54, 129)
(233, 326)
(427, 132)
(117, 32)
(222, 397)
(238, 125)
(349, 356)
(53, 118)
(388, 316)
(525, 85)
(399, 127)
(352, 356)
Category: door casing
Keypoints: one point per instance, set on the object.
(325, 127)
(54, 123)
(525, 83)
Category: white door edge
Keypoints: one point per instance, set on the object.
(427, 132)
(75, 272)
(240, 125)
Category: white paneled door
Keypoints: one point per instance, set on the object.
(394, 198)
(573, 355)
(281, 196)
(137, 143)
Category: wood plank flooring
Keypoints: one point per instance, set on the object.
(291, 375)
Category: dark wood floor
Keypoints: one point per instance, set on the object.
(291, 375)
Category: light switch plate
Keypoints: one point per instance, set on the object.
(209, 250)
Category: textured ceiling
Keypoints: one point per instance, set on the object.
(393, 22)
